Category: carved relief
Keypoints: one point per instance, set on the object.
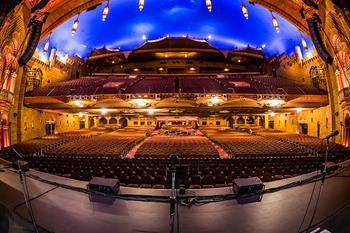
(341, 62)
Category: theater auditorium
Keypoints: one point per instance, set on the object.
(175, 116)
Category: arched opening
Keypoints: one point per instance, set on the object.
(103, 121)
(230, 122)
(92, 123)
(113, 121)
(5, 140)
(347, 130)
(240, 121)
(123, 122)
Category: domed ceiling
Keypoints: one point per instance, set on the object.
(126, 27)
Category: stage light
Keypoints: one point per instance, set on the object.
(141, 4)
(144, 37)
(263, 46)
(209, 5)
(105, 12)
(75, 26)
(245, 11)
(275, 23)
(209, 37)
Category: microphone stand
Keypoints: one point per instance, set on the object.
(172, 194)
(22, 178)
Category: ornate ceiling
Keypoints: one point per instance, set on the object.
(62, 10)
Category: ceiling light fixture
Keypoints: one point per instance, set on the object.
(75, 26)
(209, 5)
(105, 12)
(303, 42)
(47, 44)
(275, 23)
(244, 10)
(141, 4)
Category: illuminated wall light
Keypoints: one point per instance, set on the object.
(80, 114)
(75, 26)
(303, 42)
(272, 114)
(105, 12)
(192, 68)
(226, 69)
(166, 55)
(136, 69)
(245, 11)
(141, 4)
(214, 101)
(186, 55)
(275, 23)
(140, 102)
(299, 110)
(209, 5)
(103, 111)
(275, 102)
(150, 111)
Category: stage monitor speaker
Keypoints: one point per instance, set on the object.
(32, 43)
(104, 185)
(249, 185)
(317, 40)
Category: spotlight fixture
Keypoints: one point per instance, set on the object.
(47, 44)
(141, 4)
(244, 10)
(105, 12)
(209, 5)
(275, 23)
(75, 26)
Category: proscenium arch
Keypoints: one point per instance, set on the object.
(66, 9)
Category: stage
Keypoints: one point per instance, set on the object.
(58, 209)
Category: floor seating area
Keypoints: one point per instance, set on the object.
(243, 144)
(45, 143)
(183, 146)
(317, 145)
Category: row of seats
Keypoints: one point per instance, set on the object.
(194, 173)
(259, 84)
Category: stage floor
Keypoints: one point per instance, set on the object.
(61, 210)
